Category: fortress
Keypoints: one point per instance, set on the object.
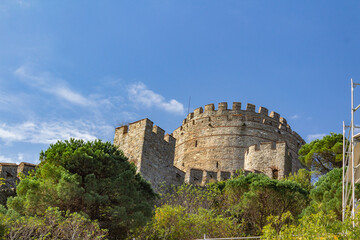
(211, 145)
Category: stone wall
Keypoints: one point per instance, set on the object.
(269, 158)
(201, 177)
(152, 152)
(216, 140)
(211, 144)
(11, 171)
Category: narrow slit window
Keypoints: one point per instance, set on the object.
(196, 143)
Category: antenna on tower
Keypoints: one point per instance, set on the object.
(189, 105)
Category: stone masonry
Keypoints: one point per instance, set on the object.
(270, 158)
(153, 153)
(11, 171)
(211, 145)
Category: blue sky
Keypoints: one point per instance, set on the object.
(81, 68)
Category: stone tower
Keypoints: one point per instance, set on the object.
(211, 144)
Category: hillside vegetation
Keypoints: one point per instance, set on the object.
(88, 190)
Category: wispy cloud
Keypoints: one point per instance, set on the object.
(139, 93)
(50, 132)
(312, 137)
(6, 159)
(296, 116)
(23, 3)
(20, 157)
(9, 101)
(15, 159)
(52, 85)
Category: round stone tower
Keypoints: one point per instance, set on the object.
(217, 140)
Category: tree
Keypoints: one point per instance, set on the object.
(254, 197)
(326, 195)
(90, 177)
(303, 177)
(176, 223)
(5, 192)
(315, 226)
(323, 155)
(53, 224)
(319, 225)
(191, 197)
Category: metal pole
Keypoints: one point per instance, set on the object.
(343, 183)
(352, 154)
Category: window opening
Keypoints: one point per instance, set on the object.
(275, 173)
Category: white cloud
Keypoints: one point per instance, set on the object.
(20, 157)
(5, 159)
(140, 94)
(10, 101)
(49, 84)
(50, 132)
(312, 137)
(296, 116)
(23, 3)
(16, 160)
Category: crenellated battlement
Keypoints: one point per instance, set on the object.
(202, 177)
(152, 152)
(147, 126)
(211, 144)
(262, 116)
(271, 158)
(236, 109)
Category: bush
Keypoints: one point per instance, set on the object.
(53, 224)
(175, 223)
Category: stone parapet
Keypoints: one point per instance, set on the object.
(201, 177)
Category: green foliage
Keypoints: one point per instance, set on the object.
(50, 186)
(323, 155)
(175, 223)
(53, 224)
(319, 225)
(302, 177)
(2, 224)
(90, 177)
(322, 217)
(191, 197)
(327, 194)
(238, 207)
(315, 226)
(5, 192)
(254, 197)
